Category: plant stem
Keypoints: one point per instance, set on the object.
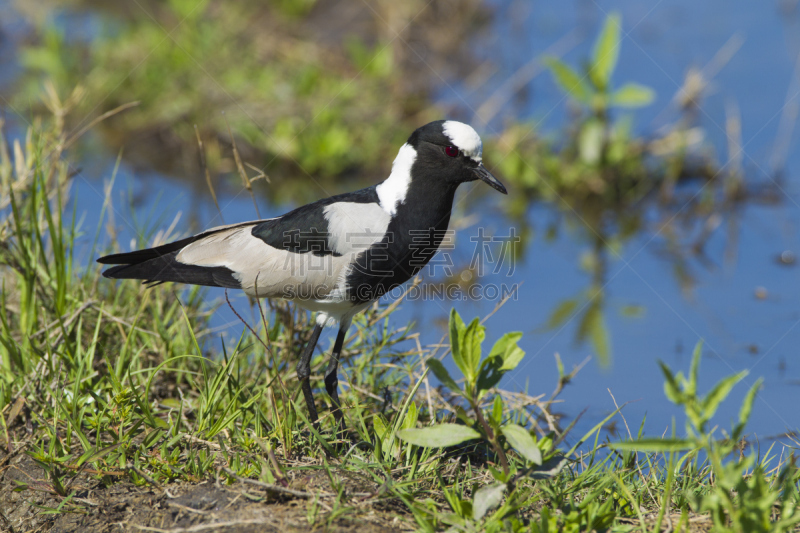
(493, 440)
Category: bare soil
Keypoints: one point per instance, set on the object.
(184, 507)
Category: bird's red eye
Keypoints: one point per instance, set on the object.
(452, 151)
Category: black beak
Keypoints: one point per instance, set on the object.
(485, 175)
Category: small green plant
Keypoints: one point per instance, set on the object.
(481, 375)
(738, 498)
(389, 445)
(594, 91)
(599, 160)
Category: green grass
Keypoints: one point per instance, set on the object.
(115, 382)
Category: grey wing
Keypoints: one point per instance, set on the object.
(260, 263)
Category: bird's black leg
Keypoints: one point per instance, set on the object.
(332, 378)
(304, 373)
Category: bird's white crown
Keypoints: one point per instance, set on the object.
(464, 138)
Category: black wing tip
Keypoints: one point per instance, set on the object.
(165, 268)
(132, 258)
(127, 258)
(110, 272)
(136, 257)
(114, 273)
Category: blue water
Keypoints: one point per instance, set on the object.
(740, 331)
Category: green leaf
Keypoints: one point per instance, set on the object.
(470, 345)
(160, 423)
(569, 80)
(720, 391)
(505, 356)
(439, 436)
(442, 374)
(694, 370)
(380, 425)
(489, 374)
(606, 52)
(462, 415)
(590, 142)
(655, 445)
(747, 404)
(497, 409)
(506, 348)
(561, 313)
(521, 440)
(671, 389)
(94, 454)
(457, 329)
(487, 498)
(595, 325)
(410, 419)
(549, 468)
(633, 95)
(559, 366)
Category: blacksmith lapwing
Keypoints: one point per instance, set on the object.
(337, 255)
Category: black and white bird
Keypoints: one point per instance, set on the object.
(337, 255)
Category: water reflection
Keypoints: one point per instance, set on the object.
(677, 230)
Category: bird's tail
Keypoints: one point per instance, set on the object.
(159, 264)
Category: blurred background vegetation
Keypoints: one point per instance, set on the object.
(323, 89)
(329, 89)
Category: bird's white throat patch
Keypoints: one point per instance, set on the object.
(392, 192)
(464, 138)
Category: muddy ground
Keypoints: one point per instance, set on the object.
(187, 507)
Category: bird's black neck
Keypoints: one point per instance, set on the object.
(415, 232)
(426, 205)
